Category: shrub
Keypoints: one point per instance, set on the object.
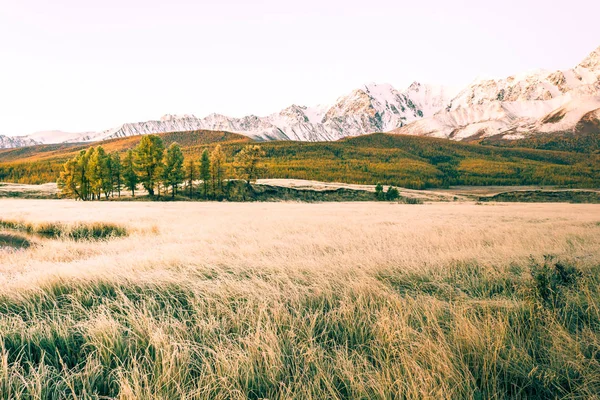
(79, 231)
(551, 278)
(412, 200)
(392, 194)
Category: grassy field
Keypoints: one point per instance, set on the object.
(304, 301)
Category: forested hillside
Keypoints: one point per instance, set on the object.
(407, 161)
(585, 142)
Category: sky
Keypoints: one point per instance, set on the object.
(83, 65)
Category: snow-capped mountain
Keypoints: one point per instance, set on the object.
(371, 108)
(46, 137)
(62, 137)
(8, 142)
(534, 102)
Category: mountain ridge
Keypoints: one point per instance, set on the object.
(514, 107)
(370, 108)
(517, 106)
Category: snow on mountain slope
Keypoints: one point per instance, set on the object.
(514, 118)
(379, 108)
(536, 85)
(9, 142)
(46, 137)
(568, 115)
(533, 102)
(372, 108)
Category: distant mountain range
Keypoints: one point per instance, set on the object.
(511, 108)
(519, 106)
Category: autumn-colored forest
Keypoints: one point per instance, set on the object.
(407, 161)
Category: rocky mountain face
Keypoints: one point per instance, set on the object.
(514, 107)
(371, 108)
(518, 106)
(7, 142)
(47, 137)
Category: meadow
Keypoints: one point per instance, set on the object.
(302, 301)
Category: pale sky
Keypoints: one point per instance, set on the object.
(80, 65)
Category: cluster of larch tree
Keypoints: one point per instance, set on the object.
(93, 172)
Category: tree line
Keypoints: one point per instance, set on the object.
(398, 160)
(95, 174)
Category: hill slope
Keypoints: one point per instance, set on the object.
(407, 161)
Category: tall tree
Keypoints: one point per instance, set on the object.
(129, 174)
(107, 175)
(217, 170)
(149, 161)
(248, 163)
(173, 174)
(68, 182)
(190, 174)
(205, 171)
(73, 181)
(97, 172)
(117, 172)
(83, 163)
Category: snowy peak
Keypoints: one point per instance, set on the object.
(429, 98)
(171, 117)
(532, 85)
(382, 93)
(302, 114)
(46, 137)
(380, 107)
(9, 142)
(370, 108)
(537, 101)
(592, 61)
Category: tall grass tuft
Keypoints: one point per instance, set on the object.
(77, 231)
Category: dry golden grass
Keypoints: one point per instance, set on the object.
(307, 301)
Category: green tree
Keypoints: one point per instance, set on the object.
(379, 195)
(149, 161)
(248, 163)
(173, 174)
(107, 175)
(205, 171)
(117, 172)
(392, 194)
(217, 170)
(190, 174)
(129, 174)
